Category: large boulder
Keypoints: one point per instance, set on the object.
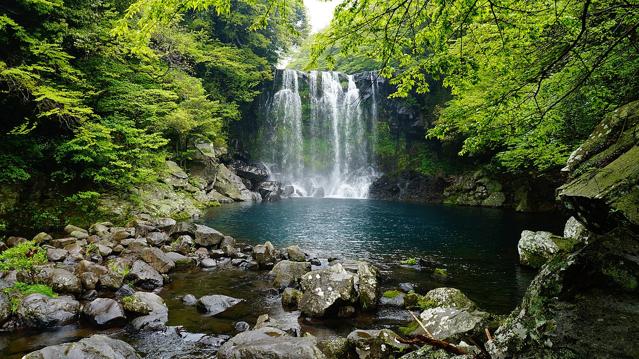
(376, 344)
(580, 305)
(535, 248)
(287, 273)
(295, 254)
(265, 254)
(269, 343)
(323, 288)
(452, 324)
(157, 259)
(254, 173)
(448, 298)
(602, 189)
(104, 311)
(216, 303)
(97, 346)
(157, 313)
(230, 185)
(5, 307)
(271, 191)
(145, 276)
(41, 311)
(64, 281)
(367, 285)
(207, 236)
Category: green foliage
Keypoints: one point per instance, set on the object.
(391, 293)
(529, 79)
(118, 268)
(19, 290)
(409, 261)
(93, 113)
(22, 257)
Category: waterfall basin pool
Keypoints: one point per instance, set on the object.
(476, 246)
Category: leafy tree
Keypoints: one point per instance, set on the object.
(529, 79)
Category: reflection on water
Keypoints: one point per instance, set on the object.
(478, 246)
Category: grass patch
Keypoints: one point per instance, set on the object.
(409, 261)
(391, 293)
(19, 290)
(23, 257)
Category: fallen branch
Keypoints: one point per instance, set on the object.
(421, 325)
(440, 344)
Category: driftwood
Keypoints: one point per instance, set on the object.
(441, 344)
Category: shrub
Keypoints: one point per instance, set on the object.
(23, 257)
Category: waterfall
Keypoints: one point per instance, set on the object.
(320, 133)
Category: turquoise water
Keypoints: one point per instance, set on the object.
(478, 246)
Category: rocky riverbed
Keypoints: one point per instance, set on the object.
(161, 288)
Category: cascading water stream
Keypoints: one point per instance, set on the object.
(321, 134)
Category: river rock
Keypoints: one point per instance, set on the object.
(270, 343)
(288, 323)
(322, 288)
(576, 230)
(376, 344)
(230, 185)
(40, 311)
(183, 244)
(5, 307)
(180, 260)
(189, 299)
(287, 273)
(89, 280)
(448, 298)
(535, 248)
(104, 311)
(264, 254)
(95, 347)
(165, 224)
(291, 297)
(145, 276)
(71, 228)
(271, 191)
(335, 348)
(157, 316)
(42, 237)
(207, 236)
(216, 303)
(295, 254)
(63, 281)
(56, 254)
(157, 238)
(254, 173)
(157, 259)
(367, 285)
(452, 323)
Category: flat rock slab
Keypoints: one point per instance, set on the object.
(94, 347)
(216, 304)
(271, 343)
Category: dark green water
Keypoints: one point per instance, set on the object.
(478, 246)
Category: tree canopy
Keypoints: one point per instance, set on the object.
(529, 78)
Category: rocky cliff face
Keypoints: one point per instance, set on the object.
(585, 303)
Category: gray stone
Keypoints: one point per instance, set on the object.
(104, 311)
(287, 273)
(449, 298)
(207, 236)
(264, 254)
(40, 311)
(291, 297)
(189, 299)
(180, 260)
(322, 288)
(5, 307)
(157, 259)
(367, 285)
(145, 276)
(56, 254)
(535, 248)
(216, 303)
(95, 347)
(451, 323)
(157, 238)
(208, 263)
(295, 254)
(64, 281)
(157, 316)
(269, 343)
